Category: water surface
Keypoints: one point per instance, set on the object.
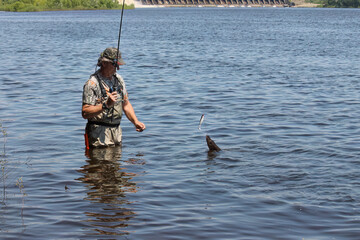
(280, 92)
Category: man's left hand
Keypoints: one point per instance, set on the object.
(139, 126)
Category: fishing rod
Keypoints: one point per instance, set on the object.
(121, 19)
(116, 61)
(118, 51)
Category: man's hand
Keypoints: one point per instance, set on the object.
(111, 99)
(139, 126)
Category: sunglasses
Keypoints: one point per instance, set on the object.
(115, 63)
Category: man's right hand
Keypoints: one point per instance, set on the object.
(111, 99)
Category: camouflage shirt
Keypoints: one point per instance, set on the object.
(103, 133)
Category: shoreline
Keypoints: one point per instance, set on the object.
(305, 4)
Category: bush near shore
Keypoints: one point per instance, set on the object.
(53, 5)
(342, 3)
(336, 3)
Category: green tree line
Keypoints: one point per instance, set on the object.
(337, 3)
(48, 5)
(342, 3)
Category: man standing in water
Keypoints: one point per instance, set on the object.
(104, 100)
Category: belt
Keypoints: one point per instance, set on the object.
(105, 124)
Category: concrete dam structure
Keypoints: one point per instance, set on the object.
(232, 3)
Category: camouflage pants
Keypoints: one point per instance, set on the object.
(103, 136)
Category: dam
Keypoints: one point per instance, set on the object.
(215, 3)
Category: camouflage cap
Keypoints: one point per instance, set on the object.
(111, 55)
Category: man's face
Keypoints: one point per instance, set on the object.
(111, 67)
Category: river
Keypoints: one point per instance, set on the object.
(279, 88)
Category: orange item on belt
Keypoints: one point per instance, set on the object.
(86, 141)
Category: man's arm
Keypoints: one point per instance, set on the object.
(130, 114)
(90, 111)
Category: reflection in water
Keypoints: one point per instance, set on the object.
(211, 155)
(108, 184)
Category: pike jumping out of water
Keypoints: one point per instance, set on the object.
(211, 144)
(201, 121)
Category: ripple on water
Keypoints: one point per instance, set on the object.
(283, 115)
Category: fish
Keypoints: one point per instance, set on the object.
(212, 145)
(201, 121)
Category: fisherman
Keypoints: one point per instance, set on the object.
(104, 100)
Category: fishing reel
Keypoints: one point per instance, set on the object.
(116, 64)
